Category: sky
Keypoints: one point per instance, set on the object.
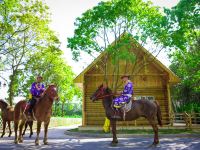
(63, 15)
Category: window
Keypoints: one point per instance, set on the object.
(150, 98)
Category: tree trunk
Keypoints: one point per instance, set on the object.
(11, 89)
(62, 109)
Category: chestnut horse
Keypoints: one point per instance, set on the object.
(7, 115)
(140, 108)
(41, 113)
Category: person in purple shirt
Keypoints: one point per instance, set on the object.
(126, 94)
(37, 89)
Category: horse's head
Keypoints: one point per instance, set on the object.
(101, 92)
(52, 92)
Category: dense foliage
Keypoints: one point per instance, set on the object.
(176, 29)
(119, 21)
(28, 47)
(184, 30)
(68, 109)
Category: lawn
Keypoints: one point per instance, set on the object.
(141, 131)
(59, 121)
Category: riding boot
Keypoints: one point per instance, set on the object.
(32, 103)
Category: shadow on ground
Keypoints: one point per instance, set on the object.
(58, 140)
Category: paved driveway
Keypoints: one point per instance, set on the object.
(58, 140)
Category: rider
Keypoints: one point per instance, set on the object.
(37, 90)
(126, 94)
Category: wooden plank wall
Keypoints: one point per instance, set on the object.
(149, 80)
(148, 86)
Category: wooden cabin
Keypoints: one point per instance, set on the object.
(151, 82)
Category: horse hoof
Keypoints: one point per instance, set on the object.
(36, 142)
(114, 143)
(46, 143)
(154, 144)
(16, 141)
(20, 141)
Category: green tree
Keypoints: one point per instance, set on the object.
(51, 65)
(184, 37)
(99, 26)
(24, 28)
(183, 23)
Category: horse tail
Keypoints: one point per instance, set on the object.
(159, 116)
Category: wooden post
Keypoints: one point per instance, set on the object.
(188, 120)
(145, 65)
(83, 109)
(172, 117)
(169, 101)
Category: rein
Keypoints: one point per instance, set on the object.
(104, 96)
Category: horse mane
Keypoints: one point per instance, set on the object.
(43, 97)
(4, 103)
(108, 102)
(51, 84)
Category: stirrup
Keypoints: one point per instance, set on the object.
(116, 117)
(117, 106)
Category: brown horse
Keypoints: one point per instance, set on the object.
(140, 108)
(41, 113)
(7, 115)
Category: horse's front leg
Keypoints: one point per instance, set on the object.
(46, 124)
(16, 128)
(10, 132)
(4, 127)
(31, 128)
(113, 125)
(20, 131)
(38, 132)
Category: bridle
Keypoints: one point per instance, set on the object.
(101, 93)
(49, 93)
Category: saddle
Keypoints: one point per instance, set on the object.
(26, 108)
(122, 104)
(124, 108)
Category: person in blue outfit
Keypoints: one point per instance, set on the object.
(126, 94)
(37, 90)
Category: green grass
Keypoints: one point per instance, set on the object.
(142, 131)
(59, 121)
(74, 116)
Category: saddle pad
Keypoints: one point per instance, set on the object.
(127, 107)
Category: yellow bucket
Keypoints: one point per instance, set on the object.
(106, 126)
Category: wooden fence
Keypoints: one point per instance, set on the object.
(189, 120)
